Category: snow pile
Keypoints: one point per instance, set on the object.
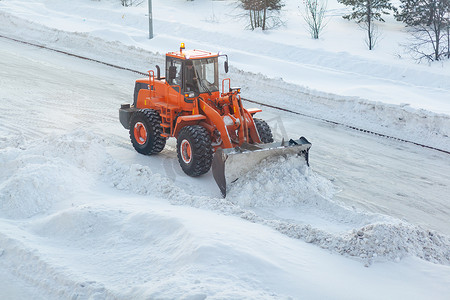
(376, 242)
(287, 182)
(280, 181)
(42, 174)
(373, 237)
(27, 192)
(39, 270)
(158, 253)
(49, 171)
(139, 179)
(393, 241)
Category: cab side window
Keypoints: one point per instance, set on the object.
(173, 72)
(191, 77)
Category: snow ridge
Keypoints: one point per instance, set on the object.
(376, 242)
(400, 121)
(372, 237)
(373, 242)
(27, 263)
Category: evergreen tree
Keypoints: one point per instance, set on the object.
(365, 13)
(428, 22)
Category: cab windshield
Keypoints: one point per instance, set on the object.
(202, 75)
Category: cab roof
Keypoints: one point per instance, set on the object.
(192, 54)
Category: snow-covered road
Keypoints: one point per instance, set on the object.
(83, 216)
(65, 159)
(371, 173)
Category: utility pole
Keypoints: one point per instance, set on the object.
(150, 20)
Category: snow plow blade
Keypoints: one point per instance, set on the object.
(230, 164)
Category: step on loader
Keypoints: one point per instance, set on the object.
(211, 126)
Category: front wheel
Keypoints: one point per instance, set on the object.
(194, 150)
(264, 131)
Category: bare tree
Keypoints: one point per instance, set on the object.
(314, 16)
(131, 2)
(365, 13)
(448, 33)
(262, 13)
(428, 23)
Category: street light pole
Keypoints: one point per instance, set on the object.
(150, 20)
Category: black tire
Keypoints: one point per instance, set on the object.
(194, 150)
(145, 132)
(264, 131)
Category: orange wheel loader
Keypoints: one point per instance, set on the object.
(211, 125)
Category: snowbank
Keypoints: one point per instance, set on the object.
(399, 121)
(52, 171)
(35, 177)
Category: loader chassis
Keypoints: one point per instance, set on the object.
(188, 104)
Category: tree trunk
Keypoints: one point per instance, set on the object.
(264, 15)
(437, 34)
(369, 24)
(448, 40)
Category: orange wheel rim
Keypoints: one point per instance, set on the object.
(186, 151)
(140, 133)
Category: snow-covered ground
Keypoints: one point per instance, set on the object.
(85, 217)
(374, 90)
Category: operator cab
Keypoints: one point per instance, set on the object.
(194, 72)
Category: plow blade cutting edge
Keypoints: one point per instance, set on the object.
(230, 164)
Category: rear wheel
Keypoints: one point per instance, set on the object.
(145, 132)
(194, 150)
(264, 131)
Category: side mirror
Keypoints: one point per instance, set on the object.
(172, 72)
(158, 72)
(225, 65)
